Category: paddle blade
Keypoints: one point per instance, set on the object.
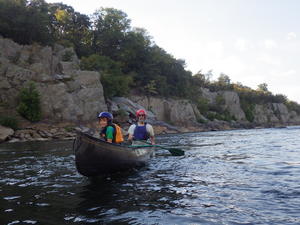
(176, 151)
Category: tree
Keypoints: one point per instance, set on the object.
(263, 88)
(71, 28)
(209, 75)
(25, 21)
(134, 50)
(224, 80)
(109, 31)
(114, 82)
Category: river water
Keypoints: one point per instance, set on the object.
(225, 177)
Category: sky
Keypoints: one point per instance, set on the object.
(253, 42)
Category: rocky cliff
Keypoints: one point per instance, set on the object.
(67, 93)
(275, 113)
(71, 95)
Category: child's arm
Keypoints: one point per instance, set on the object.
(109, 134)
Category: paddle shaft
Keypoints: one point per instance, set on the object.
(173, 151)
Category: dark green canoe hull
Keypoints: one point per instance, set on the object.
(94, 157)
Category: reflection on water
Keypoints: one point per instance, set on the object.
(230, 177)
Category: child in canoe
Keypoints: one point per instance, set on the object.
(110, 131)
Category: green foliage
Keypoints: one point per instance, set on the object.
(20, 16)
(114, 82)
(29, 106)
(100, 63)
(67, 56)
(65, 43)
(228, 117)
(225, 116)
(150, 88)
(200, 120)
(4, 104)
(218, 106)
(110, 26)
(220, 100)
(249, 111)
(263, 88)
(9, 121)
(293, 106)
(223, 80)
(69, 128)
(211, 115)
(202, 105)
(115, 85)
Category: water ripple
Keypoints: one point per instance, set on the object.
(230, 177)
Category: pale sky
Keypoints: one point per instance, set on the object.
(252, 41)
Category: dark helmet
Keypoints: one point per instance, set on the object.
(141, 112)
(107, 115)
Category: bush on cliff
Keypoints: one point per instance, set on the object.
(9, 121)
(114, 81)
(29, 106)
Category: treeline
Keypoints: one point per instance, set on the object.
(128, 59)
(105, 41)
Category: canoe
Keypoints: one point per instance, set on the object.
(95, 157)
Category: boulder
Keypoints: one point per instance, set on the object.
(5, 133)
(125, 104)
(10, 49)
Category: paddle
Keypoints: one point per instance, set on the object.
(203, 145)
(173, 151)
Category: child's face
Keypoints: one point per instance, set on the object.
(103, 122)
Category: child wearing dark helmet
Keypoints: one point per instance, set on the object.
(109, 131)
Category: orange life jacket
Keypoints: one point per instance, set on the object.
(118, 136)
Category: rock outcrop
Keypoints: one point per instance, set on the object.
(232, 104)
(177, 112)
(67, 93)
(274, 113)
(5, 133)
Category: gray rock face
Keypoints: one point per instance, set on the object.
(5, 132)
(264, 114)
(281, 111)
(125, 104)
(275, 113)
(210, 96)
(232, 104)
(67, 93)
(78, 100)
(294, 117)
(178, 112)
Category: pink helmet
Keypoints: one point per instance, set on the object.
(140, 112)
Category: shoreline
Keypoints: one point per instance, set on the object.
(67, 131)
